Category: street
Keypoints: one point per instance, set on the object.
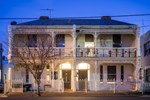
(79, 98)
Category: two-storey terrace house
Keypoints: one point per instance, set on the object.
(145, 49)
(94, 54)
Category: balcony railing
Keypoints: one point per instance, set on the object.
(126, 52)
(63, 52)
(34, 51)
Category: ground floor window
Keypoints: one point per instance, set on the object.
(101, 73)
(111, 73)
(147, 75)
(55, 75)
(122, 73)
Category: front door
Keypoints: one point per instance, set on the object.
(66, 75)
(82, 77)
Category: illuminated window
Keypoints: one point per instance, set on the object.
(83, 66)
(48, 73)
(65, 66)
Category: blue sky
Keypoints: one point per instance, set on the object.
(73, 8)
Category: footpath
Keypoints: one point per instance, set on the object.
(73, 94)
(70, 94)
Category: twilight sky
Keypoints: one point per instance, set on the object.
(72, 8)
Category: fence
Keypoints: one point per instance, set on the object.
(13, 86)
(52, 85)
(106, 85)
(146, 87)
(17, 85)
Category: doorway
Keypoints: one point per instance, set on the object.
(66, 75)
(82, 77)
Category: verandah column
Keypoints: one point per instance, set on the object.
(105, 73)
(95, 42)
(96, 78)
(138, 58)
(53, 65)
(74, 57)
(53, 61)
(118, 73)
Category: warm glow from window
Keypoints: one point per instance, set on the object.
(66, 66)
(83, 66)
(89, 44)
(47, 77)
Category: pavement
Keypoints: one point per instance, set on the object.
(70, 94)
(74, 94)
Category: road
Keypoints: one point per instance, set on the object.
(78, 98)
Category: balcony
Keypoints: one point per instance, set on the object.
(36, 52)
(124, 52)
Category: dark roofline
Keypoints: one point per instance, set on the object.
(106, 20)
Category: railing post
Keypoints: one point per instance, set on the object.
(86, 85)
(122, 52)
(114, 86)
(129, 52)
(116, 52)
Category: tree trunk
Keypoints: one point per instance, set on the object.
(38, 89)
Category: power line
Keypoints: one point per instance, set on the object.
(17, 18)
(50, 10)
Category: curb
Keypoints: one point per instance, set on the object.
(3, 96)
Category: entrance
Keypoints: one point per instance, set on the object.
(82, 77)
(66, 75)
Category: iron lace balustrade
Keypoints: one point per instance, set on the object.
(125, 52)
(63, 52)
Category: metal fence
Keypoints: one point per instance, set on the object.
(52, 85)
(105, 85)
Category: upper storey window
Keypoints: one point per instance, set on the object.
(89, 40)
(32, 40)
(147, 48)
(60, 40)
(116, 40)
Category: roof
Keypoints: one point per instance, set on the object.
(54, 21)
(145, 37)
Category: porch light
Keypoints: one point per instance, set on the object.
(66, 66)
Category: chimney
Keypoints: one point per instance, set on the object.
(106, 17)
(44, 17)
(13, 23)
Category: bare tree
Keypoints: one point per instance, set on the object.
(33, 54)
